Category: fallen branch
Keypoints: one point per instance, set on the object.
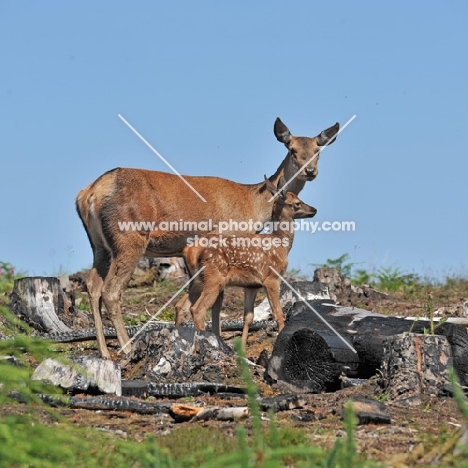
(121, 404)
(90, 333)
(181, 390)
(98, 403)
(182, 413)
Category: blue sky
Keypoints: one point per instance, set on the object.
(203, 82)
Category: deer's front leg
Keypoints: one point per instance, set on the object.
(249, 302)
(272, 287)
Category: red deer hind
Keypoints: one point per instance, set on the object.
(124, 194)
(246, 260)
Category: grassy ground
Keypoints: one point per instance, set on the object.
(31, 435)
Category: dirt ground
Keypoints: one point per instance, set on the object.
(416, 436)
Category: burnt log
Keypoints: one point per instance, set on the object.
(142, 389)
(89, 334)
(309, 355)
(180, 390)
(368, 332)
(118, 404)
(371, 333)
(180, 412)
(39, 301)
(100, 403)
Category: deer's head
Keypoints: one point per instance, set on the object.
(288, 204)
(303, 152)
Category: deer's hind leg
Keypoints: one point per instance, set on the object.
(94, 283)
(120, 271)
(191, 257)
(182, 310)
(213, 284)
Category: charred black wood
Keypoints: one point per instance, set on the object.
(119, 404)
(370, 411)
(135, 388)
(370, 334)
(180, 390)
(72, 336)
(415, 365)
(180, 354)
(231, 396)
(263, 359)
(307, 357)
(282, 403)
(350, 382)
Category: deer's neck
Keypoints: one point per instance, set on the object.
(260, 198)
(288, 170)
(283, 228)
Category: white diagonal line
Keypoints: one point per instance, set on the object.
(160, 310)
(159, 155)
(311, 159)
(313, 310)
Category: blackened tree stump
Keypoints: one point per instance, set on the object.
(414, 365)
(180, 354)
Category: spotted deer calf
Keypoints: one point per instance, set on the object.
(250, 261)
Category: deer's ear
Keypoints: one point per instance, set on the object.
(328, 136)
(282, 132)
(281, 183)
(270, 186)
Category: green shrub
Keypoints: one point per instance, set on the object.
(392, 279)
(7, 277)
